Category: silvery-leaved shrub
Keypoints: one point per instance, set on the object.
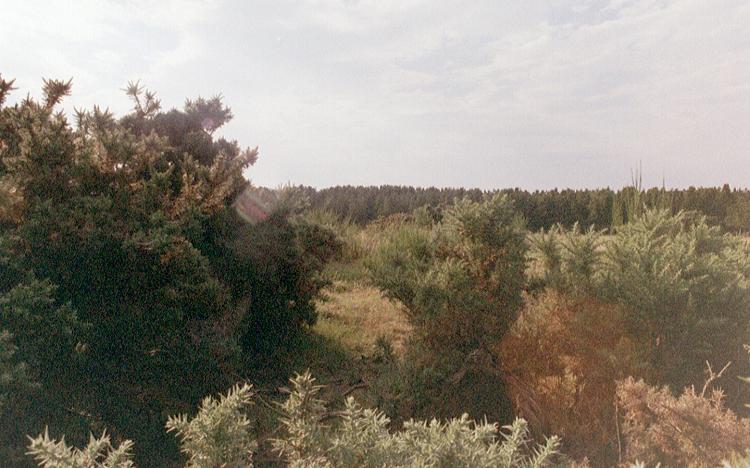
(357, 436)
(98, 453)
(312, 435)
(219, 434)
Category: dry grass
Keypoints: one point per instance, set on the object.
(356, 315)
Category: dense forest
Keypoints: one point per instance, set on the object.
(157, 310)
(542, 209)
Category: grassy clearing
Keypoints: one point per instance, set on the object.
(355, 315)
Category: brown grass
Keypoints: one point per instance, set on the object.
(356, 315)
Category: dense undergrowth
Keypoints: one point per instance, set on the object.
(140, 272)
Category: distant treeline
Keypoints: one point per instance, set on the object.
(729, 208)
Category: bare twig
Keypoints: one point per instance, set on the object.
(712, 376)
(617, 427)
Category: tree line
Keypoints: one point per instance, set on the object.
(542, 209)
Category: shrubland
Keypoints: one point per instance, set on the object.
(658, 299)
(139, 271)
(682, 286)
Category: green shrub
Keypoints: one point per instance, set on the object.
(461, 283)
(684, 285)
(98, 453)
(218, 435)
(128, 280)
(568, 259)
(313, 436)
(400, 262)
(361, 438)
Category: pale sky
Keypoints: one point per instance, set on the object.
(487, 94)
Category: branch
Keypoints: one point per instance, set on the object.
(712, 376)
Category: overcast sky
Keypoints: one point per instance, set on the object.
(490, 94)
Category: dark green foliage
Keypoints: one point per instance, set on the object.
(280, 261)
(542, 209)
(128, 284)
(37, 335)
(686, 287)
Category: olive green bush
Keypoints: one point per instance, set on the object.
(460, 281)
(684, 286)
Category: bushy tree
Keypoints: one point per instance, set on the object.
(461, 283)
(129, 263)
(683, 284)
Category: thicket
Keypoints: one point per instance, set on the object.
(129, 285)
(682, 284)
(139, 272)
(555, 329)
(660, 299)
(692, 429)
(563, 358)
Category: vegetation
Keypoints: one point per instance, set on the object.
(217, 436)
(692, 429)
(542, 209)
(123, 259)
(461, 284)
(682, 285)
(139, 271)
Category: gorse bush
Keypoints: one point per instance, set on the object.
(314, 436)
(129, 284)
(569, 260)
(683, 285)
(692, 429)
(98, 453)
(461, 282)
(361, 438)
(219, 434)
(563, 358)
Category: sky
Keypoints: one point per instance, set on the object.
(489, 94)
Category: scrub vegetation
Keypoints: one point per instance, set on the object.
(389, 327)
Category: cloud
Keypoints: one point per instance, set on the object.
(490, 93)
(101, 44)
